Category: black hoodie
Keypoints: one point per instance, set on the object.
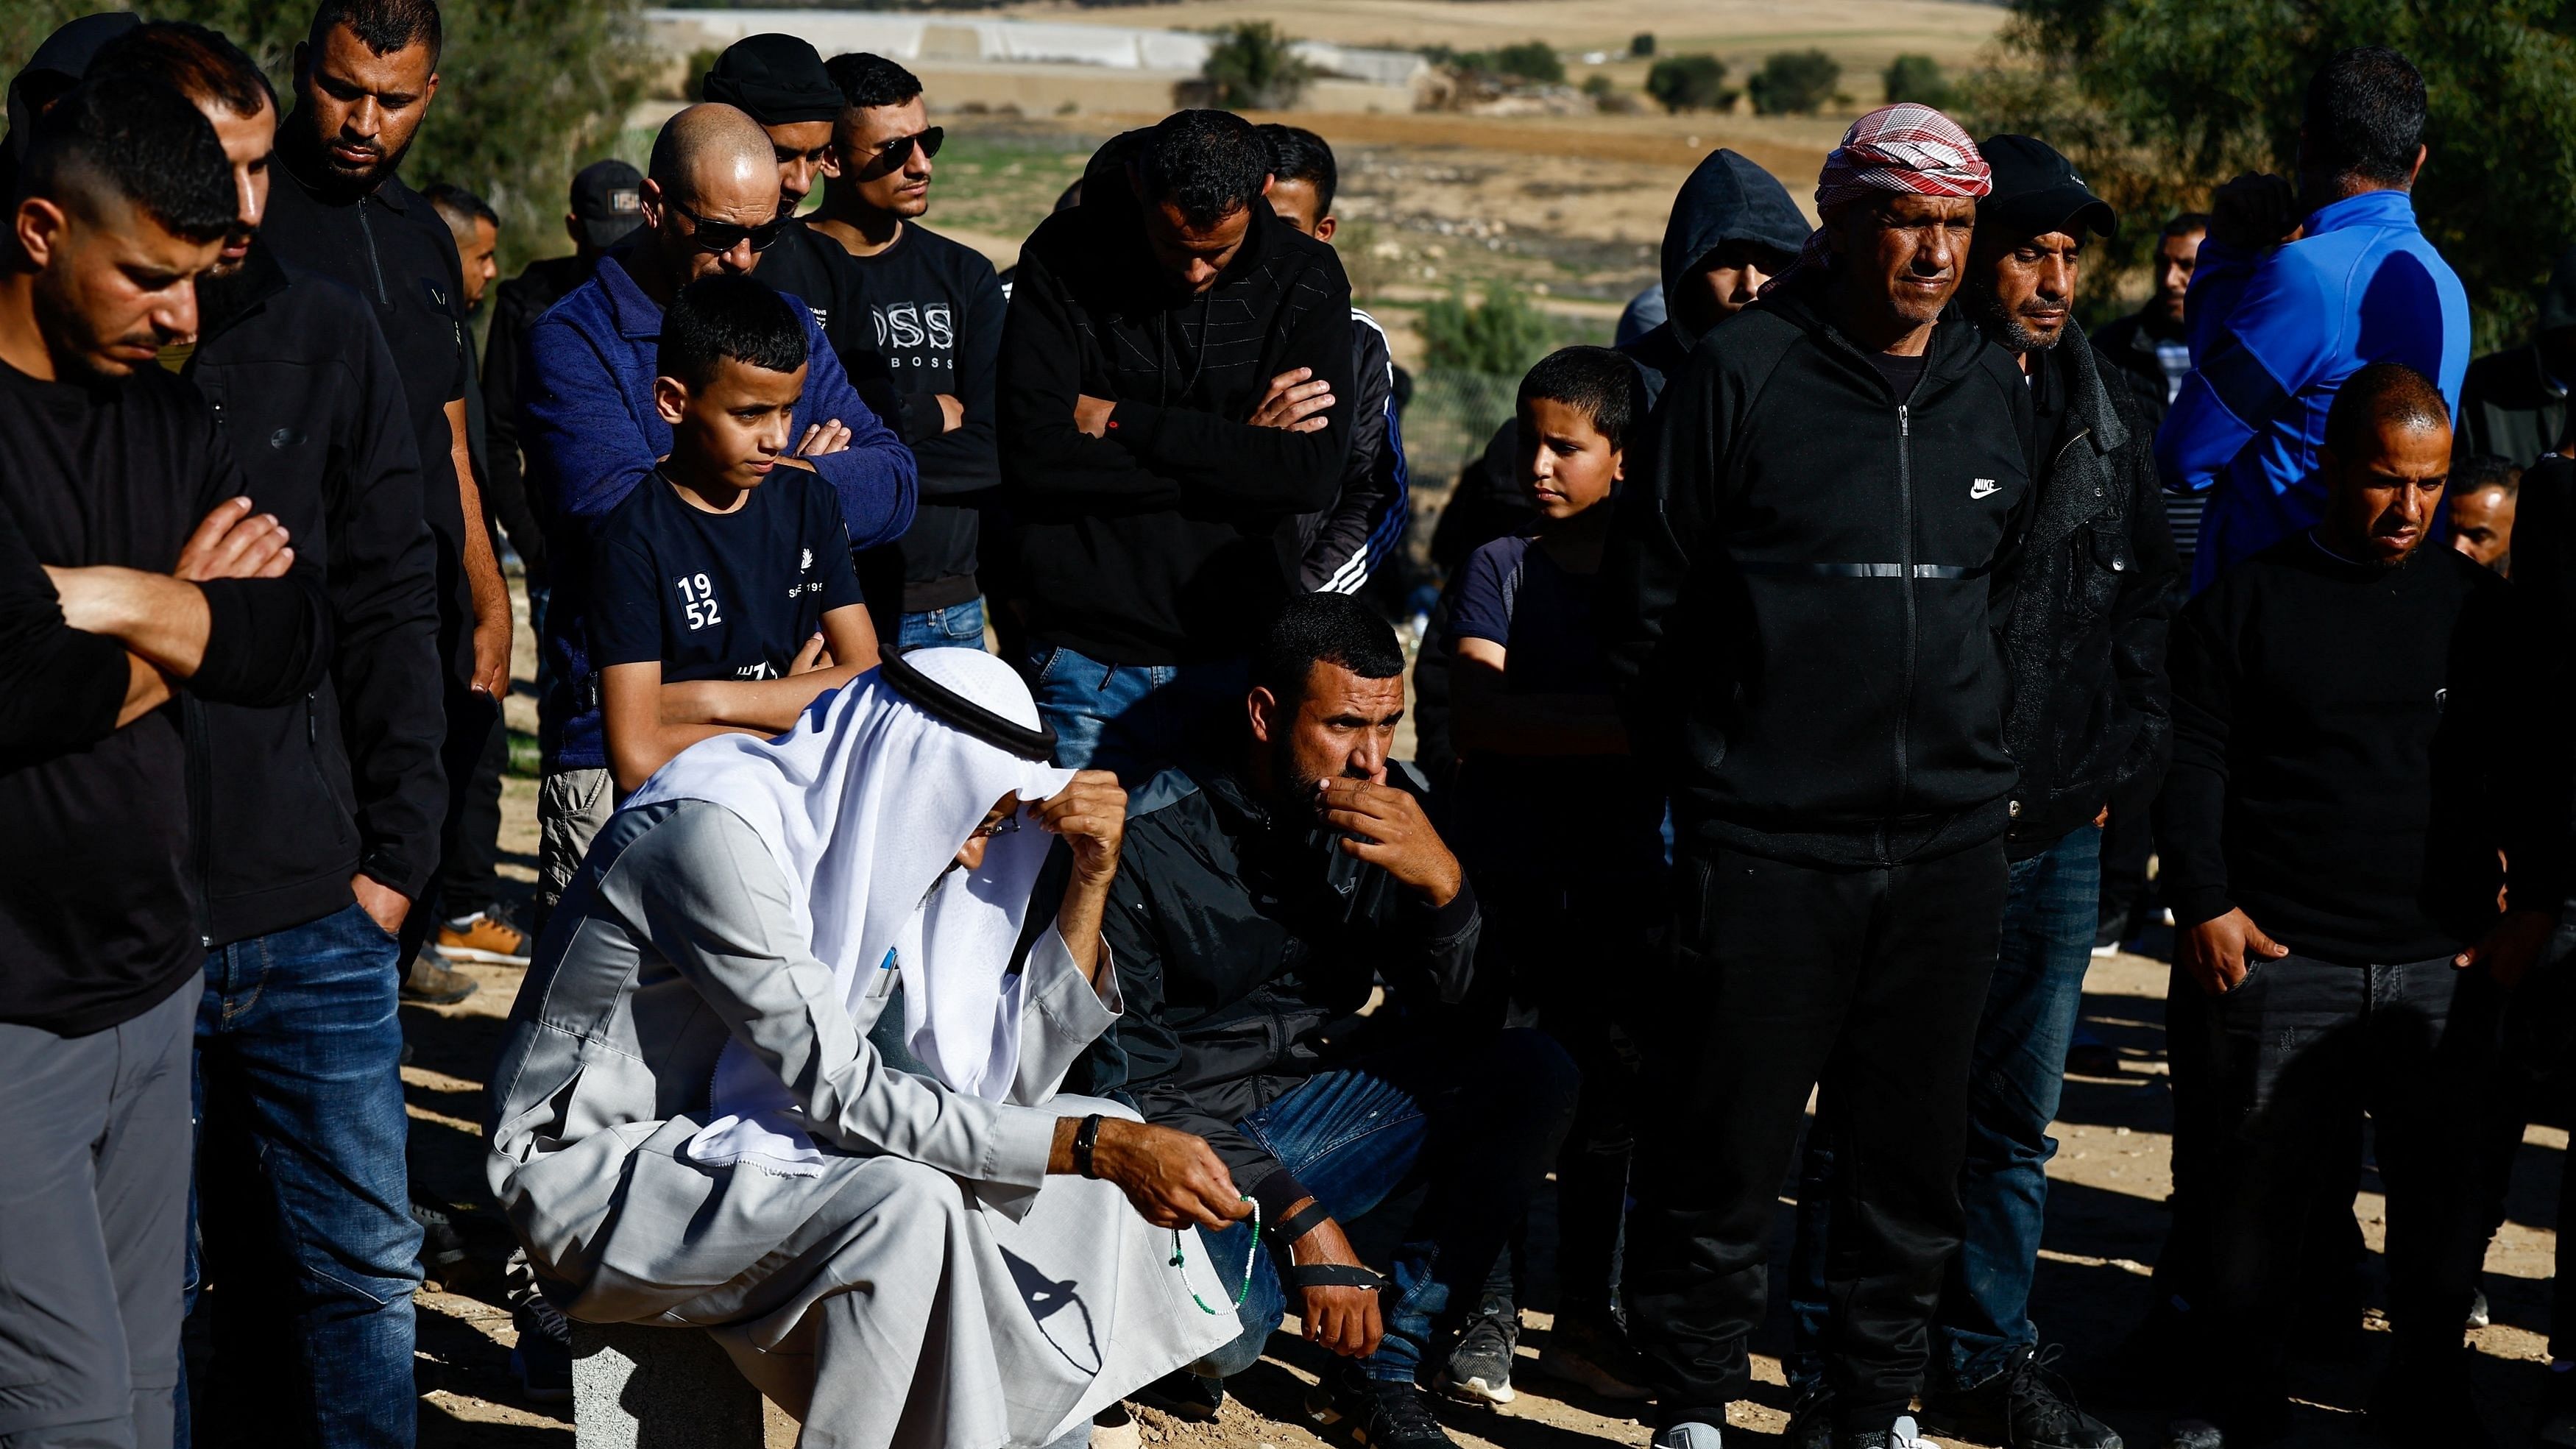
(1727, 199)
(1172, 538)
(1797, 594)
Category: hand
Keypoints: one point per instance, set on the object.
(1293, 401)
(952, 413)
(232, 542)
(815, 655)
(1091, 414)
(1091, 814)
(1174, 1179)
(1343, 1320)
(1386, 827)
(383, 904)
(2218, 951)
(2510, 946)
(492, 655)
(823, 438)
(2254, 212)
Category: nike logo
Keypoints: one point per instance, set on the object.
(1982, 487)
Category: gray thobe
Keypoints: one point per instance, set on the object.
(931, 1287)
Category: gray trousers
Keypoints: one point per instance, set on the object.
(572, 805)
(93, 1229)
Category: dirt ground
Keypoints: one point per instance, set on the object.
(2106, 1219)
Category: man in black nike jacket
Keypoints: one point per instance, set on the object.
(1798, 601)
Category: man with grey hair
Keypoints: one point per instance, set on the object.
(710, 206)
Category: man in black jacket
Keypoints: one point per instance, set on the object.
(2360, 736)
(364, 79)
(2085, 639)
(115, 601)
(1797, 600)
(322, 816)
(1251, 918)
(1154, 475)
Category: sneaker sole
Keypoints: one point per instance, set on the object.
(444, 998)
(1474, 1390)
(480, 957)
(1592, 1379)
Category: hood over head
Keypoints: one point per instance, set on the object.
(1729, 199)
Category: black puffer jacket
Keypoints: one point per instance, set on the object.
(1246, 944)
(1797, 594)
(2094, 591)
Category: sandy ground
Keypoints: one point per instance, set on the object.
(2106, 1219)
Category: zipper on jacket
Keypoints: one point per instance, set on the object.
(1905, 559)
(374, 263)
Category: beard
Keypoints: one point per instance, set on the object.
(2007, 328)
(77, 344)
(221, 292)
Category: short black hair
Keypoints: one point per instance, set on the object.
(1209, 164)
(139, 138)
(2485, 471)
(458, 204)
(739, 317)
(867, 80)
(1603, 383)
(1312, 629)
(2384, 394)
(200, 64)
(385, 26)
(2365, 116)
(1297, 154)
(2186, 224)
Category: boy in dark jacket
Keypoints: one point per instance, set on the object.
(2085, 640)
(1797, 600)
(1154, 473)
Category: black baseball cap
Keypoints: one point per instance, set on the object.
(2036, 191)
(608, 201)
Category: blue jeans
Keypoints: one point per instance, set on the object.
(303, 1202)
(1134, 720)
(959, 626)
(1481, 1125)
(2032, 1007)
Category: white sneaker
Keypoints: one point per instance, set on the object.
(1688, 1434)
(1904, 1435)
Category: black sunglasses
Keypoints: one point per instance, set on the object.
(885, 155)
(724, 236)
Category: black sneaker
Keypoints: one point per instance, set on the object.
(431, 982)
(1479, 1367)
(1184, 1395)
(543, 1356)
(2555, 1428)
(1903, 1434)
(442, 1247)
(1594, 1357)
(1379, 1414)
(2027, 1406)
(2433, 1404)
(1811, 1420)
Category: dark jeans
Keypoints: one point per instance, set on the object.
(469, 876)
(2128, 842)
(1781, 978)
(472, 721)
(303, 1206)
(2019, 1073)
(959, 626)
(1479, 1124)
(2296, 1054)
(1134, 720)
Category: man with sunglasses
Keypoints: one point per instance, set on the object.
(935, 309)
(778, 81)
(592, 431)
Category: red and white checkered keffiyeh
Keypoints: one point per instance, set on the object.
(1899, 149)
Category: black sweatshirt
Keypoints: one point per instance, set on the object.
(1171, 539)
(100, 919)
(389, 247)
(346, 779)
(516, 306)
(935, 312)
(2352, 746)
(1804, 586)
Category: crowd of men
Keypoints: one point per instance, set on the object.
(1816, 676)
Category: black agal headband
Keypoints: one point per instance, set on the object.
(951, 708)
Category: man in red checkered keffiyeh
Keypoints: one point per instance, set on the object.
(1904, 148)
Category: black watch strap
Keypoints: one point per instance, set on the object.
(1301, 1222)
(1085, 1138)
(1332, 1275)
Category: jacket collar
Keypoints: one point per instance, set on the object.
(1950, 353)
(2088, 402)
(636, 315)
(295, 157)
(263, 276)
(2390, 208)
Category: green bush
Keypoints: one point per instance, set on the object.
(1501, 335)
(1794, 83)
(1689, 83)
(1917, 78)
(1642, 44)
(1251, 67)
(1530, 60)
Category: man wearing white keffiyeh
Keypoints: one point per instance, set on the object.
(691, 1127)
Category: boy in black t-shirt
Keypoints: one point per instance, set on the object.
(1566, 870)
(724, 598)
